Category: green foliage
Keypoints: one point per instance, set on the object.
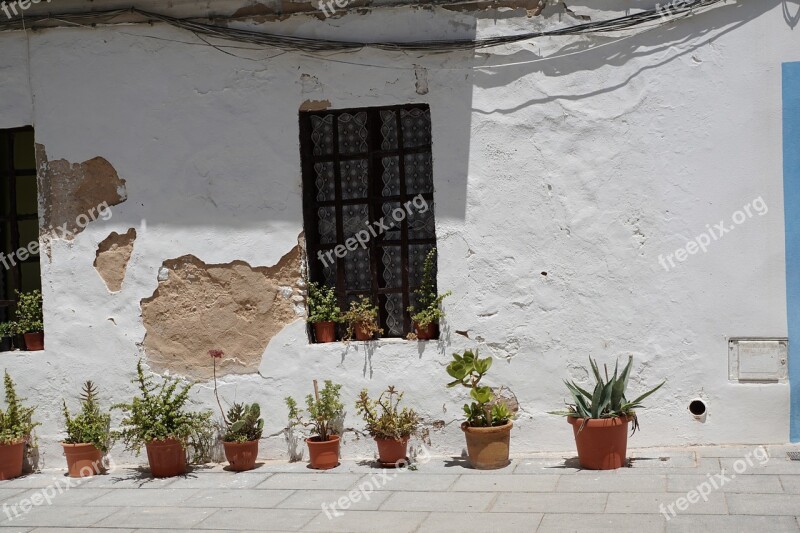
(362, 312)
(428, 299)
(383, 419)
(91, 425)
(322, 304)
(468, 370)
(608, 399)
(28, 315)
(321, 413)
(245, 422)
(16, 422)
(159, 414)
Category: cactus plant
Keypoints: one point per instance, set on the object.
(245, 422)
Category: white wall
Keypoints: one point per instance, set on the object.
(586, 167)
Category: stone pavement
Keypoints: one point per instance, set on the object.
(539, 493)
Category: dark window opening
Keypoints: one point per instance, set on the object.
(19, 220)
(368, 173)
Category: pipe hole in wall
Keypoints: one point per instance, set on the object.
(698, 409)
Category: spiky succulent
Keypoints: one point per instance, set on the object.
(16, 421)
(91, 425)
(245, 422)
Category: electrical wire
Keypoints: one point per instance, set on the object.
(663, 14)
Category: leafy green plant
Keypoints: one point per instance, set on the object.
(159, 413)
(322, 304)
(243, 423)
(468, 370)
(324, 408)
(363, 313)
(91, 425)
(16, 422)
(429, 301)
(28, 315)
(608, 399)
(383, 417)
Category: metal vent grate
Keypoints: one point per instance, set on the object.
(793, 456)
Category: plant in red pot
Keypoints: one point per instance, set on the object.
(600, 419)
(428, 312)
(243, 427)
(16, 426)
(362, 320)
(28, 321)
(325, 409)
(158, 421)
(323, 312)
(88, 435)
(390, 426)
(488, 425)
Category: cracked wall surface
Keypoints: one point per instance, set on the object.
(234, 307)
(68, 191)
(112, 258)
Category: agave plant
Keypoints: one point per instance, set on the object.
(245, 421)
(608, 399)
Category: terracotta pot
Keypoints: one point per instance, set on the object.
(488, 447)
(603, 443)
(167, 458)
(241, 455)
(34, 342)
(11, 456)
(391, 452)
(362, 334)
(325, 331)
(323, 455)
(83, 460)
(431, 331)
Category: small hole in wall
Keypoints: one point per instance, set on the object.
(697, 407)
(544, 273)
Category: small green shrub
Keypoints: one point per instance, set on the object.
(16, 422)
(28, 315)
(468, 370)
(384, 420)
(428, 299)
(362, 312)
(91, 425)
(322, 304)
(322, 412)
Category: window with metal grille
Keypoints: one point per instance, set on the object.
(369, 169)
(19, 219)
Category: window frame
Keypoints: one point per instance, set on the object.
(374, 200)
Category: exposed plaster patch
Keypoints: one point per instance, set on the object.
(234, 307)
(112, 258)
(315, 105)
(532, 7)
(68, 190)
(421, 74)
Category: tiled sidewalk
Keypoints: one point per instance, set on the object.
(541, 493)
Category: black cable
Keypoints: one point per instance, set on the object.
(669, 12)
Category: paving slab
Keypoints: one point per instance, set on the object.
(616, 523)
(310, 481)
(766, 484)
(657, 503)
(144, 498)
(521, 502)
(156, 517)
(53, 516)
(605, 483)
(409, 480)
(341, 500)
(506, 483)
(732, 524)
(368, 522)
(485, 522)
(241, 498)
(258, 519)
(764, 504)
(439, 501)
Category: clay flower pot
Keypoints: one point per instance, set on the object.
(325, 331)
(488, 447)
(603, 442)
(362, 333)
(167, 458)
(323, 455)
(11, 456)
(241, 455)
(83, 460)
(428, 332)
(392, 452)
(34, 342)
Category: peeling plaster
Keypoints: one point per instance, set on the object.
(112, 258)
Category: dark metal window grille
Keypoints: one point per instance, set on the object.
(19, 218)
(359, 166)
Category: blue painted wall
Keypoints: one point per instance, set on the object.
(791, 195)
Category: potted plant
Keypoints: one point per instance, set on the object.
(16, 426)
(324, 409)
(428, 313)
(29, 322)
(488, 425)
(88, 435)
(243, 428)
(323, 312)
(362, 320)
(158, 420)
(390, 427)
(600, 419)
